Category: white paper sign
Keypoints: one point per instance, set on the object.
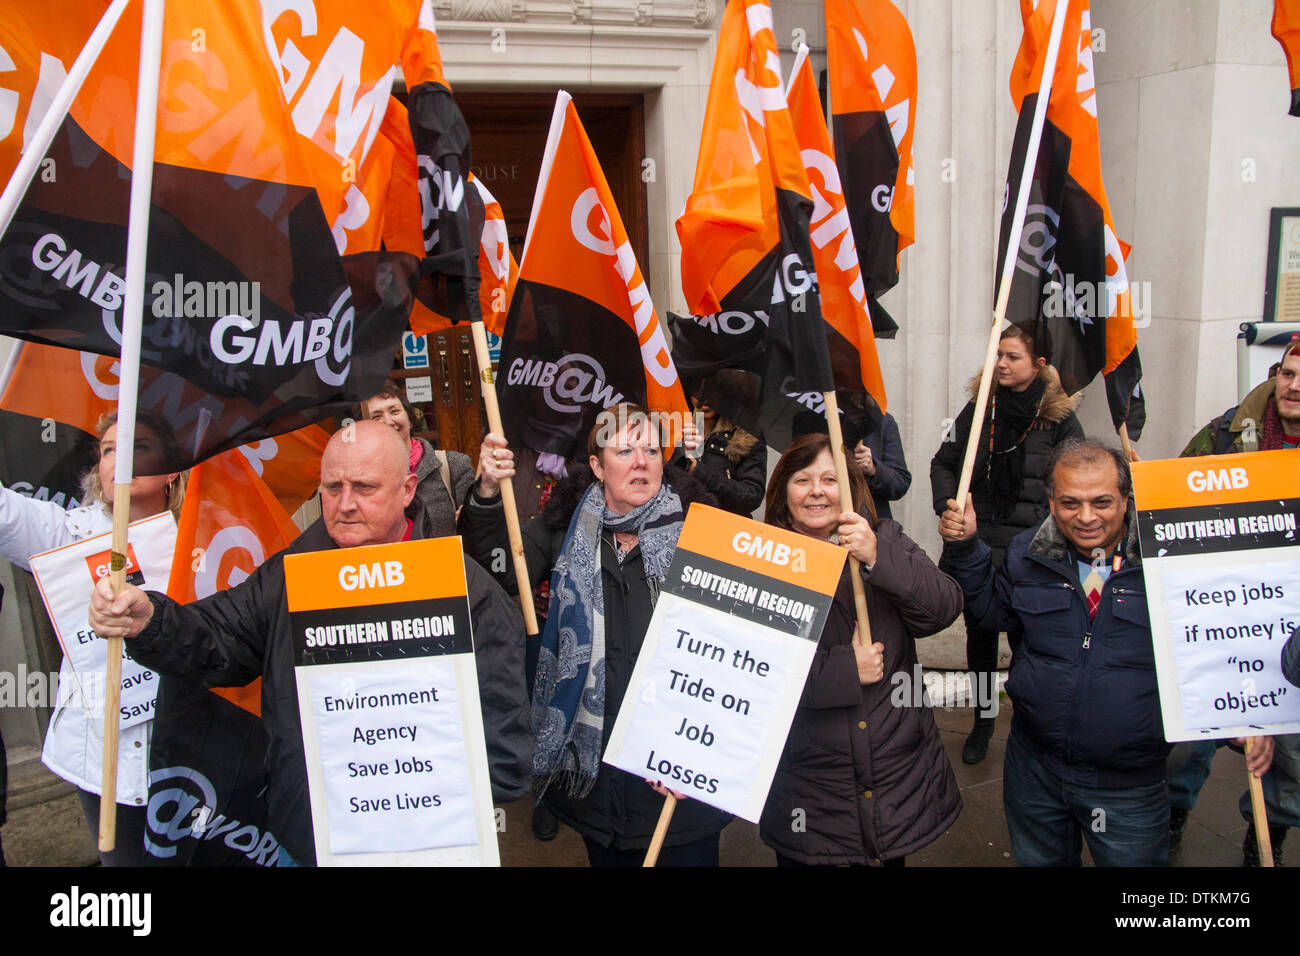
(709, 705)
(393, 757)
(65, 577)
(1220, 538)
(1227, 627)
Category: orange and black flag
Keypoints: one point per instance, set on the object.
(582, 334)
(208, 749)
(1286, 28)
(747, 263)
(1070, 289)
(871, 64)
(269, 303)
(65, 393)
(849, 336)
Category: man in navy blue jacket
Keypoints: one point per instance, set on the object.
(1086, 754)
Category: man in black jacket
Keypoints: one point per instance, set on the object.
(228, 639)
(1086, 755)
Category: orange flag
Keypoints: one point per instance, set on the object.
(230, 523)
(850, 339)
(1286, 28)
(582, 333)
(747, 266)
(872, 75)
(269, 302)
(1070, 287)
(77, 388)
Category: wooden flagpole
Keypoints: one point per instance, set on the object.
(146, 116)
(1260, 812)
(1013, 250)
(35, 151)
(508, 503)
(661, 831)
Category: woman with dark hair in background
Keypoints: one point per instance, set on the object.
(869, 775)
(74, 743)
(1029, 414)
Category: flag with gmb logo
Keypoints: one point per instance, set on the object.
(582, 333)
(208, 750)
(871, 72)
(1070, 287)
(747, 264)
(850, 338)
(64, 393)
(270, 300)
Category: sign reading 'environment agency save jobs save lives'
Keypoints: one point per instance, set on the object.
(388, 696)
(725, 659)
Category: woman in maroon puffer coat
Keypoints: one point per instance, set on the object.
(863, 778)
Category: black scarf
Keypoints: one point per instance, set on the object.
(1012, 416)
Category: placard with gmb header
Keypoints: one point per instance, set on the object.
(1221, 556)
(388, 695)
(725, 658)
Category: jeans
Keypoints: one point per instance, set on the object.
(128, 842)
(1189, 767)
(1049, 817)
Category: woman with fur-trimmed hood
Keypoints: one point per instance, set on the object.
(1029, 414)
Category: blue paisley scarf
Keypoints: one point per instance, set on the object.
(569, 690)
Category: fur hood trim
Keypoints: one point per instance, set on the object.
(1057, 406)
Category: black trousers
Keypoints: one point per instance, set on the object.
(699, 853)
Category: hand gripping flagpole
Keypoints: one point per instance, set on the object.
(1263, 840)
(1013, 249)
(842, 479)
(508, 503)
(146, 115)
(35, 150)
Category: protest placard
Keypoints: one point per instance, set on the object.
(725, 659)
(388, 695)
(1221, 556)
(65, 577)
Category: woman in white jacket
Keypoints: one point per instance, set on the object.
(74, 744)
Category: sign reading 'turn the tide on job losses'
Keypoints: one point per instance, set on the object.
(1221, 555)
(388, 696)
(725, 659)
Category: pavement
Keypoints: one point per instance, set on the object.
(978, 838)
(46, 827)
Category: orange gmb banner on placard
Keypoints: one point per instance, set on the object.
(376, 574)
(775, 552)
(1214, 480)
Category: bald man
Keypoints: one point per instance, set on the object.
(234, 636)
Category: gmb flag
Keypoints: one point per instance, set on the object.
(1070, 287)
(68, 392)
(207, 755)
(871, 64)
(456, 229)
(269, 299)
(1286, 28)
(849, 336)
(747, 266)
(582, 333)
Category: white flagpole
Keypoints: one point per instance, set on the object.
(1013, 249)
(146, 116)
(35, 150)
